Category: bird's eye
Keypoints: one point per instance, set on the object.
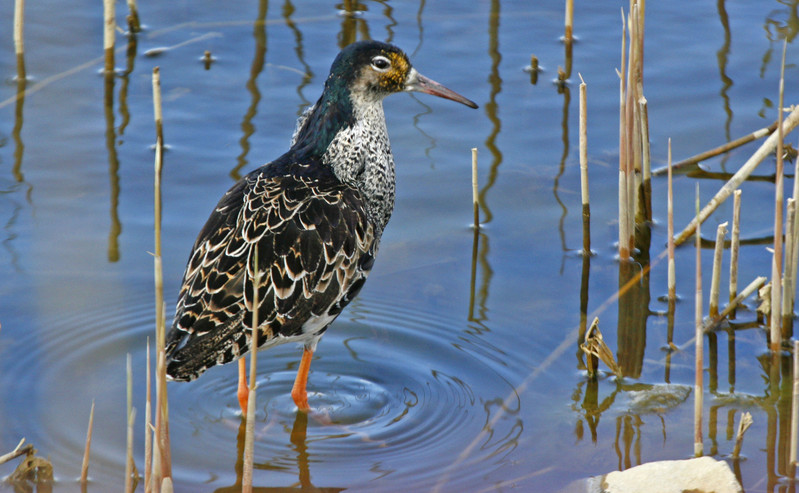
(380, 63)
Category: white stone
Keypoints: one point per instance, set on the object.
(700, 475)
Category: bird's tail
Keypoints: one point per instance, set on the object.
(190, 354)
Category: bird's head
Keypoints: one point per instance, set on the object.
(373, 70)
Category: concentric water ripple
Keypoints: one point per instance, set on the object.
(398, 395)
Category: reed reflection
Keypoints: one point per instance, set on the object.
(258, 62)
(726, 82)
(352, 22)
(299, 49)
(299, 445)
(113, 165)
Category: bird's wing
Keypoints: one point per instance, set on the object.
(315, 248)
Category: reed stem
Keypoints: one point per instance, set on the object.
(672, 276)
(715, 281)
(475, 190)
(148, 432)
(730, 308)
(698, 373)
(776, 263)
(743, 425)
(19, 21)
(757, 134)
(586, 199)
(249, 424)
(109, 33)
(794, 412)
(787, 277)
(131, 414)
(735, 244)
(84, 469)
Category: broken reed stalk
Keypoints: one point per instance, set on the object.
(787, 276)
(741, 175)
(757, 134)
(109, 33)
(584, 168)
(672, 272)
(624, 233)
(735, 244)
(776, 263)
(730, 308)
(249, 423)
(475, 191)
(794, 411)
(84, 468)
(130, 421)
(715, 280)
(18, 450)
(698, 380)
(162, 462)
(743, 425)
(631, 132)
(133, 18)
(148, 434)
(19, 21)
(569, 28)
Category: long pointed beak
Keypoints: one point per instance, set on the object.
(419, 83)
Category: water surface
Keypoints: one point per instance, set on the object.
(451, 372)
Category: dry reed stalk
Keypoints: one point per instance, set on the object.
(148, 434)
(19, 42)
(19, 21)
(776, 262)
(794, 411)
(733, 183)
(715, 280)
(672, 279)
(757, 134)
(646, 190)
(743, 425)
(624, 233)
(84, 468)
(533, 69)
(133, 18)
(569, 30)
(791, 294)
(633, 138)
(18, 450)
(586, 200)
(163, 466)
(698, 380)
(730, 308)
(109, 33)
(787, 276)
(131, 414)
(475, 191)
(735, 244)
(249, 424)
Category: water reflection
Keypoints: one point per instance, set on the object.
(726, 82)
(298, 438)
(492, 109)
(299, 49)
(113, 164)
(352, 22)
(258, 61)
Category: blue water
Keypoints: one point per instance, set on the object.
(428, 382)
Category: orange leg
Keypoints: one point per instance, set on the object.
(298, 392)
(244, 390)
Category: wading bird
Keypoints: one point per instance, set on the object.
(315, 215)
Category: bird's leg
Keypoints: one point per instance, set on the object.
(298, 392)
(244, 389)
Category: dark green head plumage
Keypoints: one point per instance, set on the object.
(363, 72)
